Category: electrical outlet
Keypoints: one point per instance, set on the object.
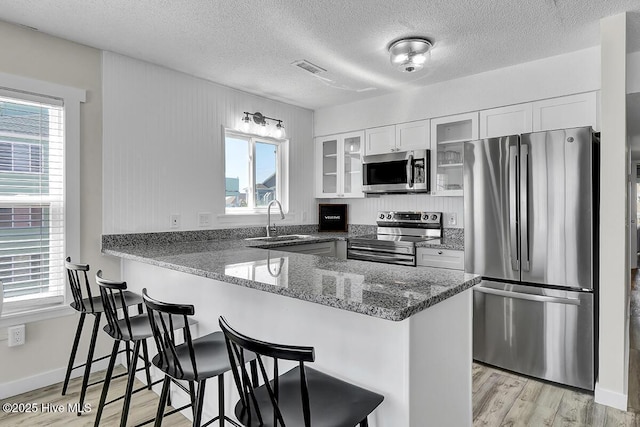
(204, 219)
(16, 335)
(452, 218)
(174, 221)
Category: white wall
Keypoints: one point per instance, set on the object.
(611, 388)
(363, 211)
(162, 150)
(546, 78)
(633, 72)
(39, 56)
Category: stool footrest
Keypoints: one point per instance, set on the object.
(171, 413)
(213, 420)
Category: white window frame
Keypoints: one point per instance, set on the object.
(282, 174)
(37, 90)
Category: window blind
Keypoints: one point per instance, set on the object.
(31, 203)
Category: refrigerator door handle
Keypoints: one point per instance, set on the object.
(524, 207)
(530, 297)
(513, 206)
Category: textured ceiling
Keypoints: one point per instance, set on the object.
(250, 45)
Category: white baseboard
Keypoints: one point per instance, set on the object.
(611, 398)
(44, 379)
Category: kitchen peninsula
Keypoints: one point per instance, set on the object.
(404, 332)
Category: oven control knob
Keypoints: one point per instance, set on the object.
(434, 217)
(388, 216)
(425, 217)
(381, 216)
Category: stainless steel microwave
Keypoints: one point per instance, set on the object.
(401, 172)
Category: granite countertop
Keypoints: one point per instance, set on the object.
(386, 291)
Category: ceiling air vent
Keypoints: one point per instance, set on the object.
(308, 66)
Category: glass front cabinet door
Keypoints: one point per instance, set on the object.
(339, 165)
(448, 135)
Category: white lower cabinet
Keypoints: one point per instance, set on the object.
(440, 258)
(322, 249)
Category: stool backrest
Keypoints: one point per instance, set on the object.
(79, 283)
(163, 316)
(112, 296)
(238, 344)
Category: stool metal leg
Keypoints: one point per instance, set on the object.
(129, 390)
(197, 419)
(163, 401)
(192, 395)
(107, 380)
(74, 349)
(87, 368)
(221, 398)
(145, 355)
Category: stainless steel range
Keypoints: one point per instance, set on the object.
(395, 241)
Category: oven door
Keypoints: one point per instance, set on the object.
(396, 172)
(383, 251)
(387, 257)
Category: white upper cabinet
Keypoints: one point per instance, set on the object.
(339, 165)
(510, 120)
(380, 140)
(566, 112)
(412, 136)
(401, 137)
(448, 135)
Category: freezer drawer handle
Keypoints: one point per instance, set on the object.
(530, 297)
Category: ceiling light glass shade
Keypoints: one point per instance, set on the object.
(409, 55)
(279, 132)
(262, 129)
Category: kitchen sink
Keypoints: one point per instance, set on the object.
(283, 238)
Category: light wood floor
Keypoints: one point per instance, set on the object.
(143, 406)
(499, 398)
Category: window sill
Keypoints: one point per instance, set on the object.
(36, 315)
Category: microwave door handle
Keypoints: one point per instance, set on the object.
(410, 170)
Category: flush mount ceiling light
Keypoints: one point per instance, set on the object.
(261, 122)
(409, 55)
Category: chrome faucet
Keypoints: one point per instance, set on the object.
(272, 229)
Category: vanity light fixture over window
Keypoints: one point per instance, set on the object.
(260, 124)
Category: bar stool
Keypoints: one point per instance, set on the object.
(196, 360)
(85, 303)
(130, 329)
(301, 396)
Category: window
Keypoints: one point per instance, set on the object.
(254, 173)
(31, 203)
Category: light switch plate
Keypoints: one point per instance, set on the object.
(174, 221)
(204, 219)
(16, 335)
(452, 218)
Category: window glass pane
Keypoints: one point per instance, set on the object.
(265, 167)
(31, 225)
(237, 166)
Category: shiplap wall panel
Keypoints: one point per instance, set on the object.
(163, 147)
(363, 211)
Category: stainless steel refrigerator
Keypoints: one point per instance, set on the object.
(530, 214)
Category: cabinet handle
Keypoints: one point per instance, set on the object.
(439, 252)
